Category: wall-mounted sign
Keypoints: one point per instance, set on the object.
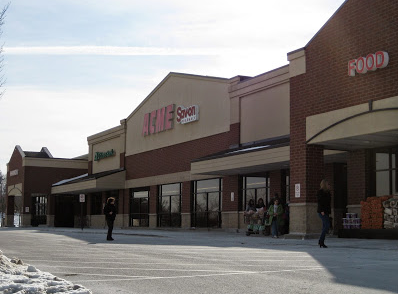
(13, 173)
(371, 62)
(82, 197)
(187, 115)
(158, 120)
(100, 155)
(297, 190)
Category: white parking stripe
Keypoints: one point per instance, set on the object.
(198, 276)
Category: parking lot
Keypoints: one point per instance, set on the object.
(160, 261)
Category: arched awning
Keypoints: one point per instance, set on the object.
(363, 126)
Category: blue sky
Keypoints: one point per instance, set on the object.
(75, 68)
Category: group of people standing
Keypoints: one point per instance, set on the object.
(278, 214)
(275, 213)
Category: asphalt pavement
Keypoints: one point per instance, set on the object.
(201, 261)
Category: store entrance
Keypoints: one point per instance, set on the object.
(340, 195)
(64, 211)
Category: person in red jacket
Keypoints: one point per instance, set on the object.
(110, 215)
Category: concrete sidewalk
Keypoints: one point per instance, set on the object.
(225, 237)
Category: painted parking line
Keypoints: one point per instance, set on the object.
(198, 276)
(149, 269)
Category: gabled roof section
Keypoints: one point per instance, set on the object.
(175, 74)
(43, 153)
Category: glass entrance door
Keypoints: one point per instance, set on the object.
(139, 208)
(207, 203)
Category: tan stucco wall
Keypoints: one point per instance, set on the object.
(185, 220)
(297, 63)
(54, 162)
(98, 221)
(109, 163)
(210, 94)
(265, 114)
(25, 220)
(15, 190)
(50, 220)
(153, 219)
(304, 219)
(105, 141)
(369, 123)
(230, 220)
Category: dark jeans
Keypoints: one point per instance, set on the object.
(325, 226)
(110, 228)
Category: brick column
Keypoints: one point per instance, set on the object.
(306, 169)
(153, 206)
(186, 205)
(230, 185)
(275, 183)
(230, 202)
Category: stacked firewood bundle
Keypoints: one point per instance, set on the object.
(372, 212)
(391, 213)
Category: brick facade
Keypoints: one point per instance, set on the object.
(177, 158)
(358, 28)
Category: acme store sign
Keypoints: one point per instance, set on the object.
(101, 155)
(163, 119)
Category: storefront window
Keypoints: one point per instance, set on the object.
(169, 205)
(96, 203)
(255, 188)
(207, 203)
(385, 171)
(39, 209)
(139, 207)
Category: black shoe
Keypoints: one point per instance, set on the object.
(322, 245)
(109, 239)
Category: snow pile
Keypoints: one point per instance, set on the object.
(17, 277)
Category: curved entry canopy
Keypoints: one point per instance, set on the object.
(364, 126)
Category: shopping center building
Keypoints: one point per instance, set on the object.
(198, 148)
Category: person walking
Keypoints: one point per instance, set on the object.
(324, 199)
(275, 212)
(110, 215)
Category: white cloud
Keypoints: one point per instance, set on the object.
(111, 50)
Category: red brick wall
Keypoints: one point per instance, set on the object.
(358, 177)
(40, 179)
(230, 184)
(153, 194)
(15, 163)
(360, 27)
(177, 158)
(275, 183)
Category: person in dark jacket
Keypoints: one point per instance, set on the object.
(110, 215)
(324, 199)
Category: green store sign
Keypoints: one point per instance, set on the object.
(101, 155)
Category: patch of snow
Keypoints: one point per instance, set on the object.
(19, 278)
